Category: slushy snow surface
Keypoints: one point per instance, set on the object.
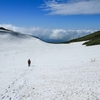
(57, 72)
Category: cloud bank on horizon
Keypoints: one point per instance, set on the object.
(72, 7)
(49, 35)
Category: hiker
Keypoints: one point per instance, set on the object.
(29, 62)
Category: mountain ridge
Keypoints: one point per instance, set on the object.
(91, 39)
(4, 31)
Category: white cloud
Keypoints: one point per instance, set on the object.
(56, 35)
(72, 7)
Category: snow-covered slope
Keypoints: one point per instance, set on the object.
(57, 71)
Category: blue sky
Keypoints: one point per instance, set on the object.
(50, 17)
(51, 13)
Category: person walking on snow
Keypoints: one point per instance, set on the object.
(29, 62)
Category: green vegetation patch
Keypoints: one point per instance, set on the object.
(92, 39)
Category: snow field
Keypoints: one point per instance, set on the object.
(57, 72)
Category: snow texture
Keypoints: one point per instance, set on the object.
(57, 71)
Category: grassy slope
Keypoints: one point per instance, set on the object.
(92, 39)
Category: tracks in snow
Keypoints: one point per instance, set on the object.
(13, 90)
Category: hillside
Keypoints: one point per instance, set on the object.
(4, 31)
(1, 28)
(91, 39)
